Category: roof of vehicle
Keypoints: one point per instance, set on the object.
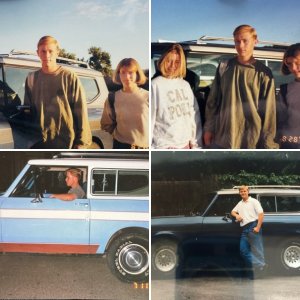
(24, 58)
(103, 160)
(108, 163)
(209, 44)
(264, 189)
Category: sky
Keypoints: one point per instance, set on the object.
(177, 20)
(119, 27)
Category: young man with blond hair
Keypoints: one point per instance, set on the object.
(73, 177)
(57, 102)
(249, 213)
(241, 107)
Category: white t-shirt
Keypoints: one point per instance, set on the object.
(175, 114)
(248, 210)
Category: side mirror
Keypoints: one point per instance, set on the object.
(227, 217)
(37, 199)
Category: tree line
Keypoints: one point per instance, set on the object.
(183, 180)
(99, 60)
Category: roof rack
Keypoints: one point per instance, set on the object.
(206, 38)
(124, 155)
(271, 186)
(59, 59)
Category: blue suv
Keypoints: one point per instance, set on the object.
(112, 219)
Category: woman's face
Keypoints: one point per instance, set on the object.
(293, 63)
(172, 63)
(127, 76)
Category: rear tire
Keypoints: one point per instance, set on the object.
(290, 256)
(128, 258)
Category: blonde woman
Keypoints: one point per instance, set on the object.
(174, 112)
(288, 108)
(126, 112)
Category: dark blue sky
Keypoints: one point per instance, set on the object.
(177, 20)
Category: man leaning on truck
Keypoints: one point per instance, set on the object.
(249, 213)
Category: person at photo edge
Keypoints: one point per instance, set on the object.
(175, 116)
(127, 116)
(288, 101)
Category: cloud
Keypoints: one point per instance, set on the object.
(92, 9)
(102, 9)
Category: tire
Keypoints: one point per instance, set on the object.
(165, 259)
(128, 258)
(290, 256)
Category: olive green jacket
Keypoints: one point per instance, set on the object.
(241, 107)
(58, 108)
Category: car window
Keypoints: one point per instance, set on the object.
(133, 183)
(223, 205)
(275, 66)
(279, 78)
(205, 65)
(15, 78)
(288, 203)
(104, 182)
(90, 86)
(43, 180)
(268, 203)
(120, 182)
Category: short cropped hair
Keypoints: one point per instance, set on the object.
(47, 39)
(134, 66)
(291, 51)
(161, 65)
(245, 28)
(75, 172)
(244, 187)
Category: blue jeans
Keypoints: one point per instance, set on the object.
(251, 246)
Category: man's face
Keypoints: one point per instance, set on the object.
(244, 44)
(48, 53)
(244, 193)
(70, 179)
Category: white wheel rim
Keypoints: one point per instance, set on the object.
(165, 260)
(291, 256)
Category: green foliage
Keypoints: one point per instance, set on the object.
(243, 177)
(65, 54)
(100, 60)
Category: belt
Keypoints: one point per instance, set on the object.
(249, 224)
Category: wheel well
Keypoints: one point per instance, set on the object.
(127, 231)
(165, 238)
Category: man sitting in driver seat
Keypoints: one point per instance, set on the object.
(73, 177)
